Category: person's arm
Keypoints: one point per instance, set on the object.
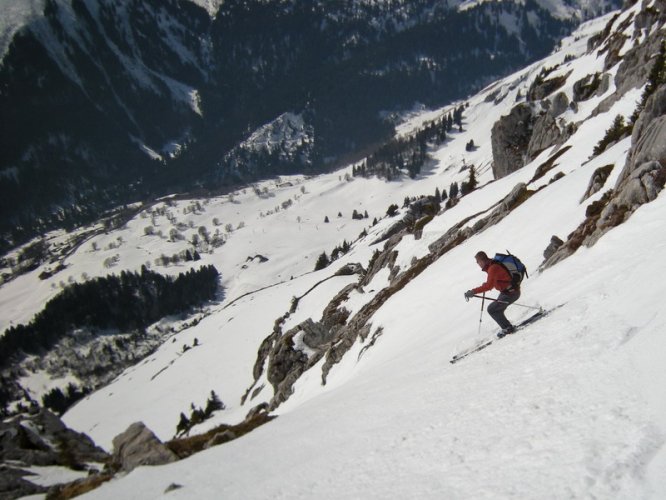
(490, 282)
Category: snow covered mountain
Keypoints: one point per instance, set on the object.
(353, 359)
(107, 102)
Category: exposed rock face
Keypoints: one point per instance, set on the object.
(559, 105)
(139, 446)
(43, 439)
(641, 180)
(633, 70)
(552, 247)
(648, 139)
(419, 213)
(642, 186)
(13, 485)
(597, 181)
(510, 138)
(586, 87)
(545, 134)
(40, 439)
(543, 88)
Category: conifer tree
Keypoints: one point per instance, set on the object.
(183, 424)
(322, 262)
(213, 404)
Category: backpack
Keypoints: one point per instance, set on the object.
(514, 267)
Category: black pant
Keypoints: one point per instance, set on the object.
(496, 309)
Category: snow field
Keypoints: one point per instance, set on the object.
(571, 407)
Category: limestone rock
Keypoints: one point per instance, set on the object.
(220, 438)
(633, 70)
(350, 269)
(560, 104)
(43, 439)
(545, 134)
(543, 88)
(13, 484)
(510, 138)
(597, 180)
(139, 446)
(642, 186)
(552, 247)
(586, 87)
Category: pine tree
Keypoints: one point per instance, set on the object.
(213, 404)
(322, 262)
(471, 182)
(617, 131)
(453, 190)
(183, 424)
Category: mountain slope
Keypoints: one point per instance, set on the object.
(105, 103)
(570, 407)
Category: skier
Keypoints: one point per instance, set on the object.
(499, 278)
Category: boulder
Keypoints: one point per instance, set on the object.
(560, 104)
(139, 446)
(597, 181)
(552, 247)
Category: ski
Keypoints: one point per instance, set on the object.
(485, 343)
(471, 350)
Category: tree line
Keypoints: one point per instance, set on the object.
(409, 153)
(126, 302)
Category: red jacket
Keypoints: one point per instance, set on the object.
(498, 278)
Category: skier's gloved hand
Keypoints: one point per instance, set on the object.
(468, 295)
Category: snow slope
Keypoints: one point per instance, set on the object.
(571, 407)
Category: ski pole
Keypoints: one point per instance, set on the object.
(505, 302)
(481, 315)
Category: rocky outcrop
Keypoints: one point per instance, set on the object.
(542, 88)
(641, 180)
(13, 483)
(545, 133)
(597, 181)
(588, 86)
(41, 439)
(552, 247)
(633, 70)
(559, 105)
(510, 138)
(648, 139)
(418, 214)
(139, 446)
